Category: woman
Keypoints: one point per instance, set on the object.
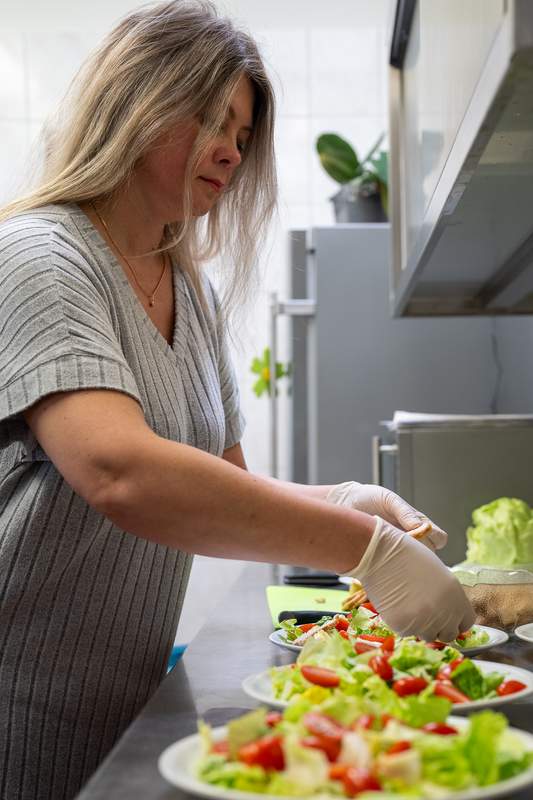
(120, 422)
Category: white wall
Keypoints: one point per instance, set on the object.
(329, 65)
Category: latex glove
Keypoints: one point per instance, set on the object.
(376, 500)
(415, 593)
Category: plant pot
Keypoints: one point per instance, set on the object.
(353, 206)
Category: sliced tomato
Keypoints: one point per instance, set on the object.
(321, 676)
(399, 747)
(380, 665)
(439, 727)
(450, 692)
(370, 606)
(358, 780)
(344, 634)
(388, 644)
(462, 636)
(221, 747)
(510, 687)
(306, 626)
(342, 624)
(436, 645)
(273, 717)
(266, 752)
(410, 685)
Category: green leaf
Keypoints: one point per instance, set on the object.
(338, 157)
(380, 167)
(372, 150)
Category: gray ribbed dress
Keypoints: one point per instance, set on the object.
(88, 612)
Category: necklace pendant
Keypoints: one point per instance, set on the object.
(151, 301)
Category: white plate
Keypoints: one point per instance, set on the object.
(177, 765)
(525, 632)
(259, 687)
(496, 637)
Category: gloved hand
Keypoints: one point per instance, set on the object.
(389, 506)
(412, 589)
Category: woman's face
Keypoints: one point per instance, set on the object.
(161, 173)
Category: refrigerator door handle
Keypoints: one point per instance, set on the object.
(290, 308)
(377, 450)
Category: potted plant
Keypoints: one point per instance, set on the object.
(364, 183)
(261, 366)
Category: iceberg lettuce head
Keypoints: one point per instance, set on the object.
(501, 534)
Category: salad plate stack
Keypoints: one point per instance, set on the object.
(364, 713)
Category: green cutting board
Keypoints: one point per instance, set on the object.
(302, 598)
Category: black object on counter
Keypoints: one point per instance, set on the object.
(302, 617)
(312, 579)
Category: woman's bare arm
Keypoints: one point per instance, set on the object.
(185, 498)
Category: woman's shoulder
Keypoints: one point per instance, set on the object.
(42, 234)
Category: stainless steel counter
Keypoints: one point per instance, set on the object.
(206, 682)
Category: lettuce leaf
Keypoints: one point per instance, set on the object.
(471, 681)
(481, 745)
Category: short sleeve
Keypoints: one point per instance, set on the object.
(56, 331)
(229, 390)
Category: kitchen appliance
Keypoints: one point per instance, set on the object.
(353, 366)
(447, 466)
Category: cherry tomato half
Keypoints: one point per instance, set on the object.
(363, 647)
(439, 727)
(326, 734)
(411, 685)
(266, 752)
(321, 676)
(358, 780)
(342, 624)
(380, 665)
(450, 692)
(510, 687)
(273, 717)
(399, 747)
(306, 626)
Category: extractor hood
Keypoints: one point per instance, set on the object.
(461, 157)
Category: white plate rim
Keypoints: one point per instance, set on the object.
(186, 750)
(519, 631)
(496, 637)
(258, 686)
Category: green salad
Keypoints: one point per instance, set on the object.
(402, 677)
(334, 751)
(366, 621)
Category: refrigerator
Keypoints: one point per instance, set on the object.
(353, 366)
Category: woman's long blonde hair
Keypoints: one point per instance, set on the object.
(162, 64)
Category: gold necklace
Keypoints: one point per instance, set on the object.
(150, 296)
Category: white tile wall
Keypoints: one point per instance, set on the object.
(13, 94)
(327, 77)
